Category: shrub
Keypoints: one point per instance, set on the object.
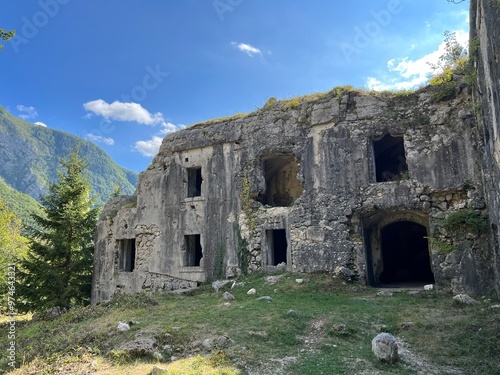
(465, 220)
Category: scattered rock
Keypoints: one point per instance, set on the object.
(168, 349)
(122, 326)
(385, 293)
(272, 279)
(465, 299)
(215, 342)
(217, 284)
(429, 287)
(159, 371)
(251, 291)
(292, 313)
(299, 281)
(281, 267)
(141, 346)
(265, 298)
(385, 347)
(227, 304)
(158, 356)
(228, 296)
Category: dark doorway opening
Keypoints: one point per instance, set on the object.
(277, 246)
(194, 252)
(405, 254)
(194, 182)
(127, 254)
(390, 159)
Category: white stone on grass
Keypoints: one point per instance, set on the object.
(265, 298)
(465, 299)
(122, 326)
(228, 296)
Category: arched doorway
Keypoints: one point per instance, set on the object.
(397, 249)
(405, 254)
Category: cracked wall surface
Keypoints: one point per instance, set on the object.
(485, 33)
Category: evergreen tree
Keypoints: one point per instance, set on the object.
(58, 268)
(12, 246)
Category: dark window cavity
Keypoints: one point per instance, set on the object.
(127, 254)
(282, 186)
(194, 182)
(390, 159)
(193, 250)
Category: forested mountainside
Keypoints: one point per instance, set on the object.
(30, 154)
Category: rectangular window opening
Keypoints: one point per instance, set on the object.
(282, 186)
(194, 252)
(390, 159)
(277, 246)
(194, 182)
(127, 254)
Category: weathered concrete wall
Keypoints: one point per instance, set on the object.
(340, 212)
(485, 30)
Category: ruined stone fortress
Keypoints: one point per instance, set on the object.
(401, 189)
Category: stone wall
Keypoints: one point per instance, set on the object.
(485, 32)
(298, 185)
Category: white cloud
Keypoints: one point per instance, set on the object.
(27, 112)
(148, 148)
(408, 74)
(39, 123)
(100, 139)
(168, 127)
(247, 48)
(120, 111)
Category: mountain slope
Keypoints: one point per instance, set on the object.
(21, 204)
(29, 158)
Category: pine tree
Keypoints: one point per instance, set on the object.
(58, 268)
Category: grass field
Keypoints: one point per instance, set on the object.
(329, 331)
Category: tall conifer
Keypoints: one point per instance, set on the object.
(58, 268)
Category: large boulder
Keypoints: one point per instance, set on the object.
(385, 347)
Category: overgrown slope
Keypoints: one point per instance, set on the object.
(319, 325)
(21, 204)
(29, 158)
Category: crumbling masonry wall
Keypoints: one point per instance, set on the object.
(485, 33)
(328, 211)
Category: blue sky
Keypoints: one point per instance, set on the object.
(123, 73)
